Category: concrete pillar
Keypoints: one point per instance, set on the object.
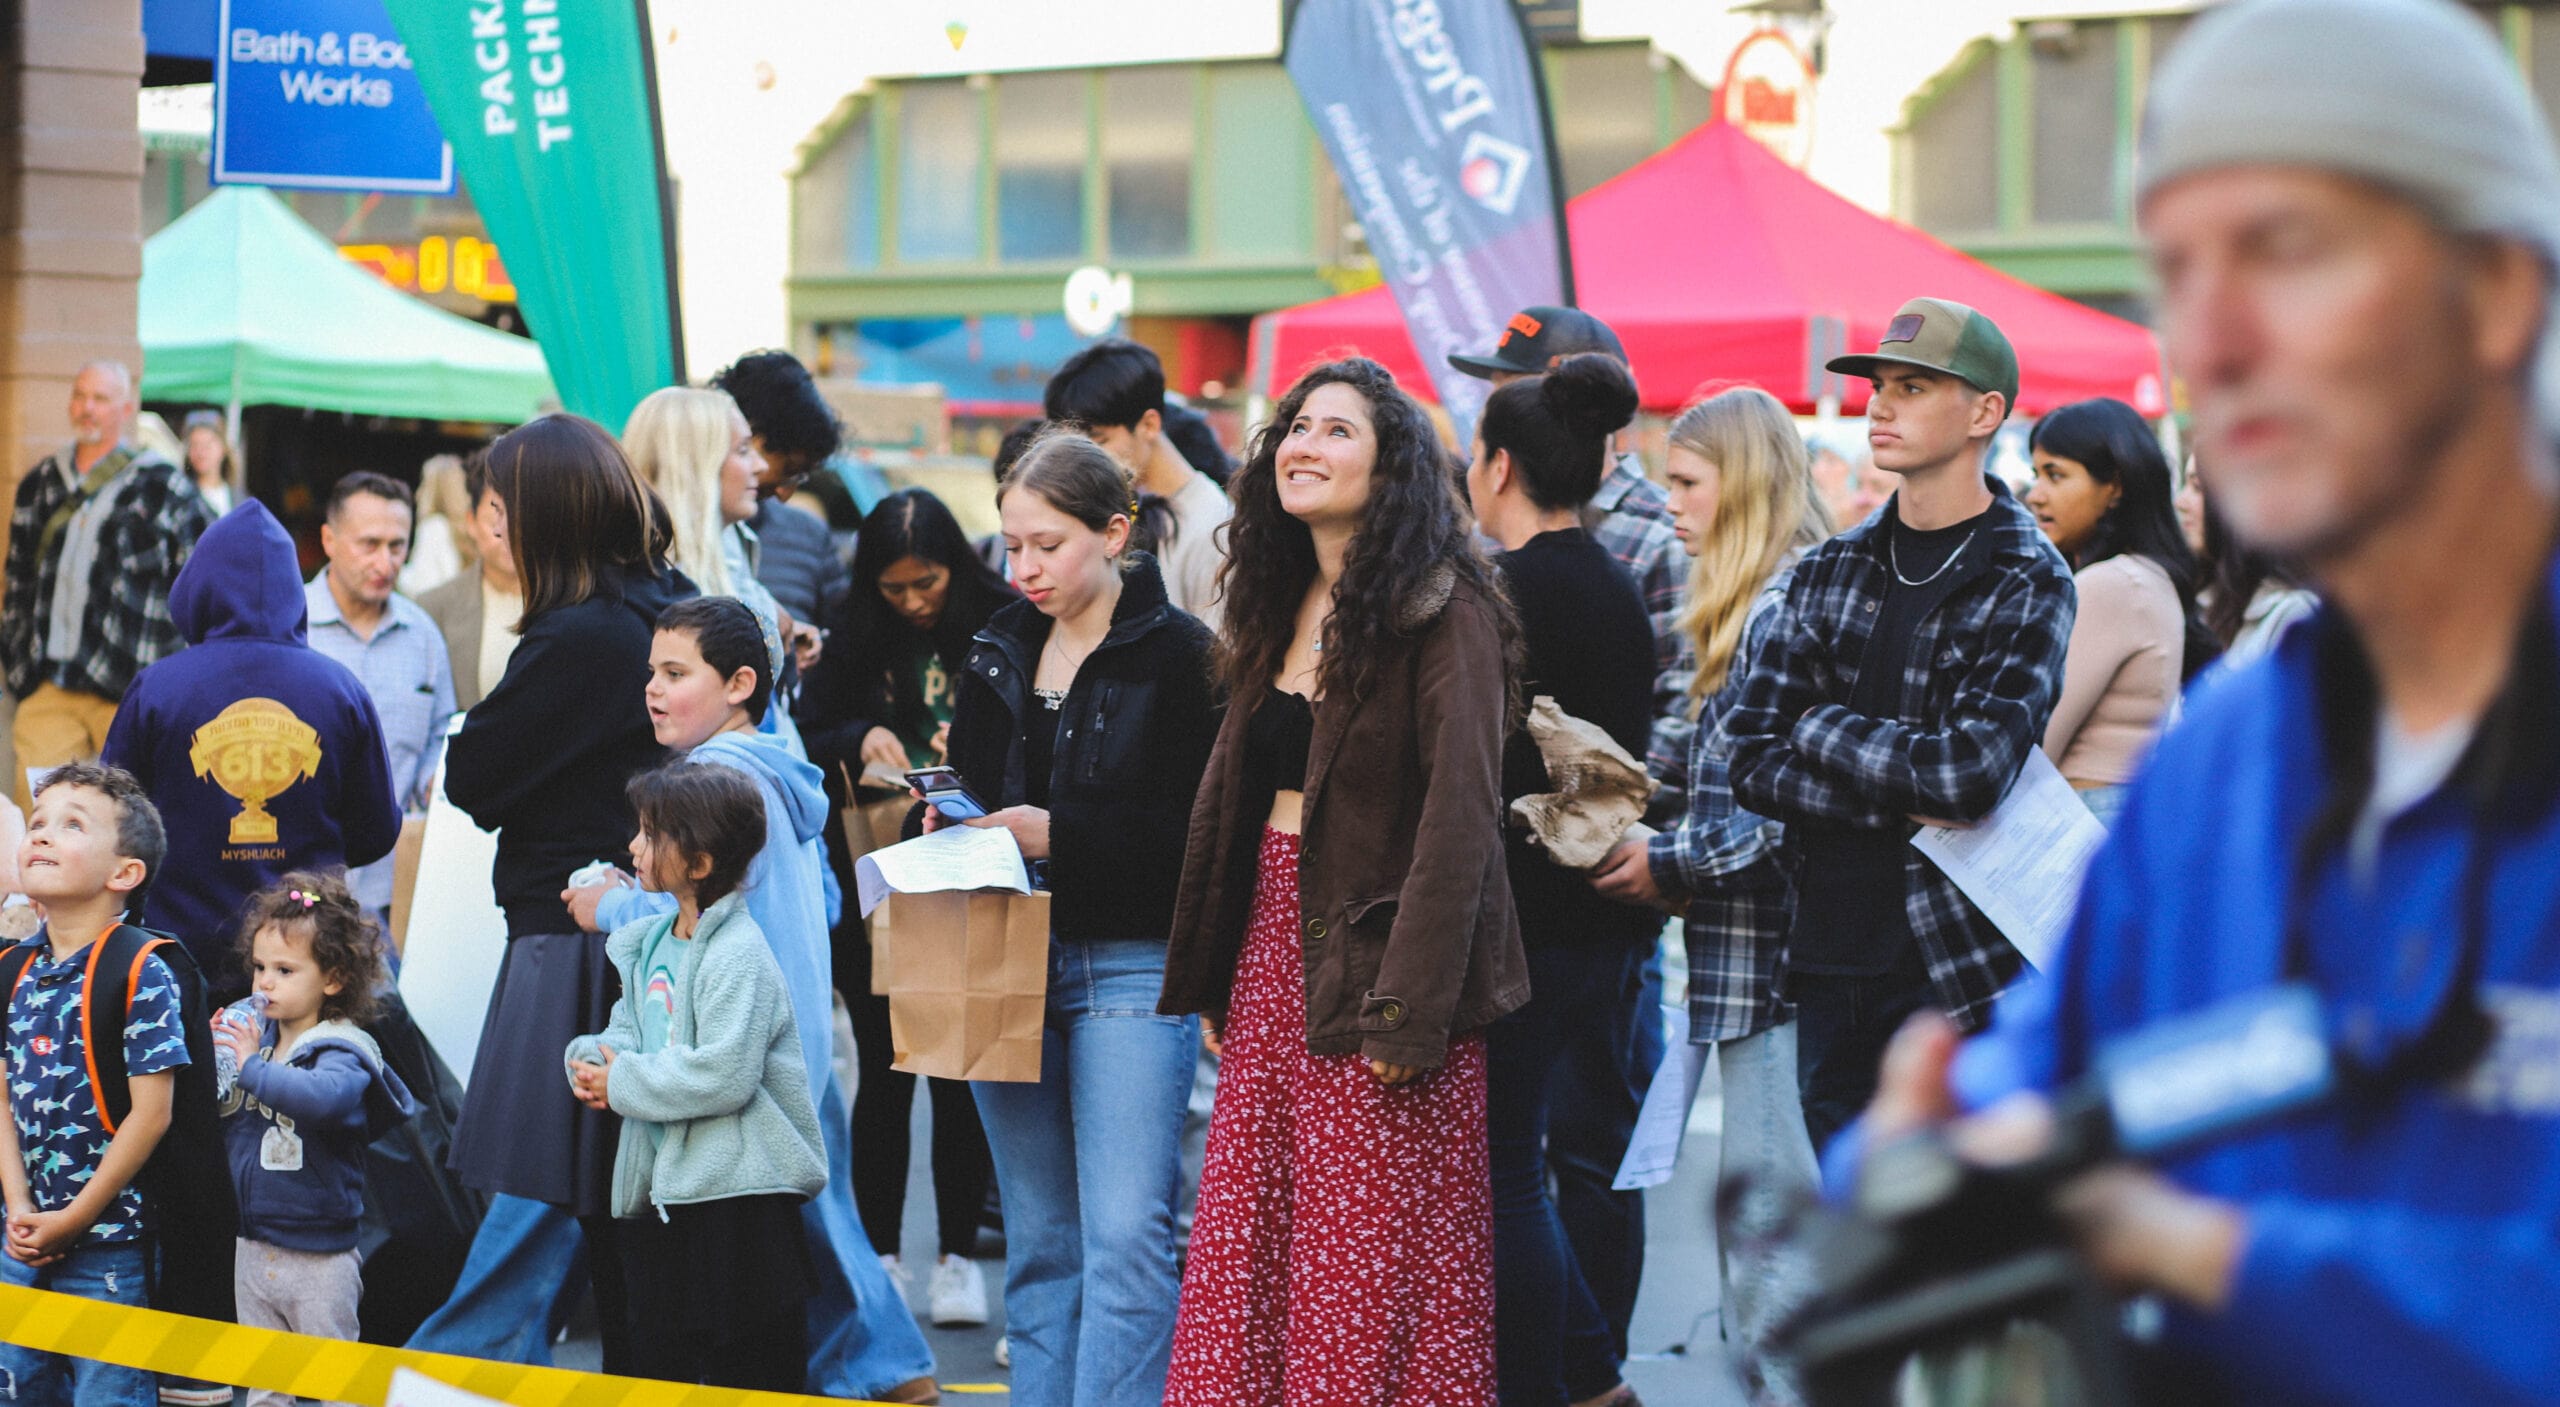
(70, 215)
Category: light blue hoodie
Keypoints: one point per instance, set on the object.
(858, 1321)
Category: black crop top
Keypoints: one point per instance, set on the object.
(1276, 739)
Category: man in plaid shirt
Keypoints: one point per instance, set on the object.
(96, 538)
(1601, 1080)
(1923, 656)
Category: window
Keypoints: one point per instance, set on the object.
(1604, 103)
(1262, 184)
(2073, 76)
(1040, 161)
(1147, 136)
(938, 173)
(1955, 154)
(835, 220)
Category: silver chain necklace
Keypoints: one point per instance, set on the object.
(1893, 553)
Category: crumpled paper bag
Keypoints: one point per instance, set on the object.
(1599, 791)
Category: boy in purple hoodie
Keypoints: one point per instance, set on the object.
(307, 1090)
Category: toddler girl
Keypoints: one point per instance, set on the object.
(310, 1093)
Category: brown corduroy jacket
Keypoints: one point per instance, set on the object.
(1404, 904)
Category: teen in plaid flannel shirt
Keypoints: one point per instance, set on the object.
(1981, 670)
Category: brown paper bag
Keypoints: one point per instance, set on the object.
(970, 990)
(404, 877)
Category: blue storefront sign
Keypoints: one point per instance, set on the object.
(320, 95)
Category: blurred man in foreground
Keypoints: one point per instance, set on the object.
(2353, 210)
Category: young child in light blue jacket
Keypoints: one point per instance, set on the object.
(701, 1058)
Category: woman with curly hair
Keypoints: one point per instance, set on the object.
(1345, 920)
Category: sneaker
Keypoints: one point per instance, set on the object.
(1004, 1351)
(958, 1293)
(897, 1273)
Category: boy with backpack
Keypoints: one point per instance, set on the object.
(105, 1096)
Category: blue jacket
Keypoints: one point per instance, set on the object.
(2402, 1247)
(297, 1132)
(789, 890)
(250, 699)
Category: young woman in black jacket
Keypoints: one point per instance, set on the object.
(882, 694)
(542, 761)
(1084, 720)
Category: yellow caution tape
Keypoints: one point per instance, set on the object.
(332, 1370)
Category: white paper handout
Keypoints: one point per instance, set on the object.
(955, 857)
(2022, 863)
(1662, 1125)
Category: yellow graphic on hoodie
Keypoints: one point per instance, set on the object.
(254, 750)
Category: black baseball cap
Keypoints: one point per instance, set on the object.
(1536, 339)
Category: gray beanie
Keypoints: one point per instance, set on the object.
(2413, 95)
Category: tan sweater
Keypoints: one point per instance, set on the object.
(2120, 679)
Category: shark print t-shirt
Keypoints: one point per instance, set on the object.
(61, 1136)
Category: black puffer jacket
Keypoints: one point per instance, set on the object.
(1133, 740)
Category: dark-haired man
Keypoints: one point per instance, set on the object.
(1922, 657)
(1114, 391)
(386, 640)
(797, 432)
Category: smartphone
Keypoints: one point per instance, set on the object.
(948, 794)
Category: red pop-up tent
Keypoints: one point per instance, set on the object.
(1716, 261)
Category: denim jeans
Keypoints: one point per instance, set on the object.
(1765, 1165)
(1842, 1026)
(1599, 1083)
(110, 1273)
(1088, 1161)
(1551, 1344)
(517, 1287)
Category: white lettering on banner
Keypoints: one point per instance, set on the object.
(489, 50)
(1418, 28)
(549, 70)
(313, 86)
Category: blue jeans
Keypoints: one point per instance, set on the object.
(1551, 1344)
(1599, 1083)
(517, 1286)
(1089, 1164)
(110, 1273)
(863, 1339)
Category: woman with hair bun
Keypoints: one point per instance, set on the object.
(1540, 453)
(1345, 921)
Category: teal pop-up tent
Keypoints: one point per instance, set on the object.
(245, 304)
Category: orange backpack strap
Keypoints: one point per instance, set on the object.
(118, 956)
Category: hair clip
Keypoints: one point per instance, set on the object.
(307, 899)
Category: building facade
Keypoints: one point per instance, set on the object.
(2020, 152)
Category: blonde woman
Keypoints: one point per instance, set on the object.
(1746, 506)
(444, 549)
(693, 446)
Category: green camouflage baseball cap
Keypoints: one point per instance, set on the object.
(1936, 335)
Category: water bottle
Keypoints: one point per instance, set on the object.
(249, 1012)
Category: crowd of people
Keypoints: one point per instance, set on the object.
(1263, 731)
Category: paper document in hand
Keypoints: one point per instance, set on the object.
(2021, 865)
(1662, 1125)
(955, 857)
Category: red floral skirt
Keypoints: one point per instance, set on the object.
(1343, 1250)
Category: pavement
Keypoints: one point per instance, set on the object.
(1675, 1347)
